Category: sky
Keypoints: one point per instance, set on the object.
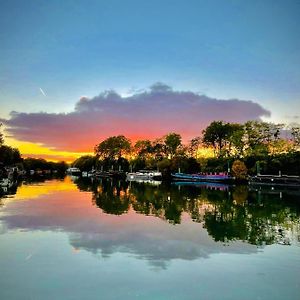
(75, 72)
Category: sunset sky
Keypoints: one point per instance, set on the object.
(75, 72)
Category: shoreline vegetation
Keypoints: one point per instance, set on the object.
(242, 150)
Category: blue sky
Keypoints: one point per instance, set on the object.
(225, 49)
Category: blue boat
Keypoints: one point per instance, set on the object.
(222, 178)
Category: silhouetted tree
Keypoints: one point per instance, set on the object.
(9, 155)
(172, 142)
(1, 136)
(216, 135)
(194, 146)
(142, 148)
(85, 163)
(113, 147)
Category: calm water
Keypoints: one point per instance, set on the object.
(61, 239)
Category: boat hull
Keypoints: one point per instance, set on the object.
(202, 178)
(143, 176)
(273, 180)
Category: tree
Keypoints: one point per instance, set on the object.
(1, 136)
(85, 163)
(158, 149)
(113, 147)
(172, 142)
(194, 146)
(216, 135)
(9, 155)
(142, 148)
(239, 170)
(261, 137)
(60, 167)
(236, 143)
(295, 131)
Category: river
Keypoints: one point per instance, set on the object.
(81, 239)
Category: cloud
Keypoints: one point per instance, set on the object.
(145, 114)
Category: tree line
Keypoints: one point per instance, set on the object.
(10, 156)
(254, 144)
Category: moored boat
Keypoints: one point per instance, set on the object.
(276, 180)
(223, 177)
(6, 182)
(73, 171)
(144, 175)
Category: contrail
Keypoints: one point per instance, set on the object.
(29, 256)
(42, 92)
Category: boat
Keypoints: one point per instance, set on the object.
(88, 174)
(275, 180)
(222, 177)
(73, 171)
(6, 183)
(108, 174)
(144, 175)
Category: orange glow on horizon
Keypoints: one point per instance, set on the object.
(28, 149)
(37, 150)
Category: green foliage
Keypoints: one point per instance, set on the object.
(295, 131)
(112, 199)
(215, 164)
(223, 137)
(113, 147)
(261, 136)
(215, 134)
(172, 142)
(236, 143)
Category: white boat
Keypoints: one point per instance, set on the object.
(6, 183)
(73, 171)
(144, 175)
(88, 174)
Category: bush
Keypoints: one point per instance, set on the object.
(239, 170)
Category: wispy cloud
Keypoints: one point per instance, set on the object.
(150, 113)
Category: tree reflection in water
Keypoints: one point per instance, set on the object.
(228, 213)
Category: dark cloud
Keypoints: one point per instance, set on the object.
(151, 113)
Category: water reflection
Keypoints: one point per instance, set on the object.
(158, 223)
(228, 213)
